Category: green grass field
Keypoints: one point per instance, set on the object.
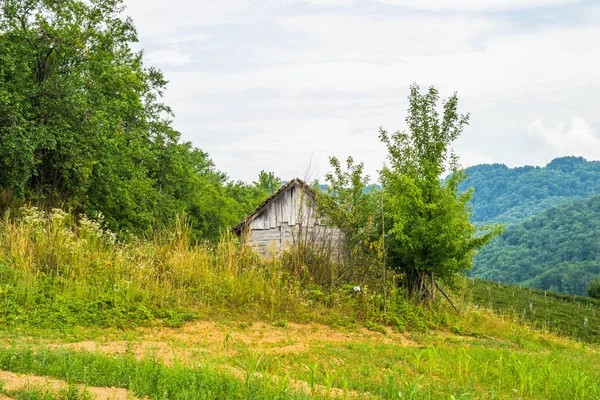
(245, 362)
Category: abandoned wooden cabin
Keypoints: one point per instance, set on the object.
(287, 217)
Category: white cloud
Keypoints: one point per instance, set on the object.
(576, 138)
(380, 38)
(516, 63)
(158, 18)
(476, 5)
(170, 56)
(329, 2)
(267, 84)
(468, 158)
(301, 147)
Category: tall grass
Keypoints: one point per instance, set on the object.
(55, 271)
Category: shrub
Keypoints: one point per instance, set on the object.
(375, 327)
(594, 289)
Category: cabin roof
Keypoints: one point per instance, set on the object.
(294, 182)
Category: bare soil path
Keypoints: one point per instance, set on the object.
(13, 381)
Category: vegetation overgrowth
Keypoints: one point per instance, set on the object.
(56, 272)
(71, 393)
(145, 244)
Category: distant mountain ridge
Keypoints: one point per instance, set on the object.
(557, 250)
(552, 213)
(511, 195)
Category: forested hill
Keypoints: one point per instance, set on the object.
(510, 195)
(557, 250)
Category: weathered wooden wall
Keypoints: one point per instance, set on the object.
(286, 219)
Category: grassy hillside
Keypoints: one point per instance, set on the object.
(572, 316)
(167, 320)
(477, 355)
(557, 250)
(511, 195)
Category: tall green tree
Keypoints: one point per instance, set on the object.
(82, 123)
(428, 217)
(268, 182)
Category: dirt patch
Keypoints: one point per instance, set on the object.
(14, 381)
(263, 336)
(116, 347)
(163, 351)
(292, 349)
(189, 342)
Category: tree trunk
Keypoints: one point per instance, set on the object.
(432, 277)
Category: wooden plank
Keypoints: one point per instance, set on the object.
(265, 235)
(292, 206)
(272, 216)
(284, 199)
(258, 223)
(280, 218)
(262, 221)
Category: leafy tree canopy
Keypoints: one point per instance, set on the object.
(349, 203)
(429, 217)
(268, 182)
(82, 125)
(511, 195)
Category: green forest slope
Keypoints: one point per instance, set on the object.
(557, 250)
(510, 195)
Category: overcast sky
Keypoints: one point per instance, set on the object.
(281, 85)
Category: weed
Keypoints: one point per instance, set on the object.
(312, 375)
(375, 327)
(147, 377)
(71, 393)
(280, 324)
